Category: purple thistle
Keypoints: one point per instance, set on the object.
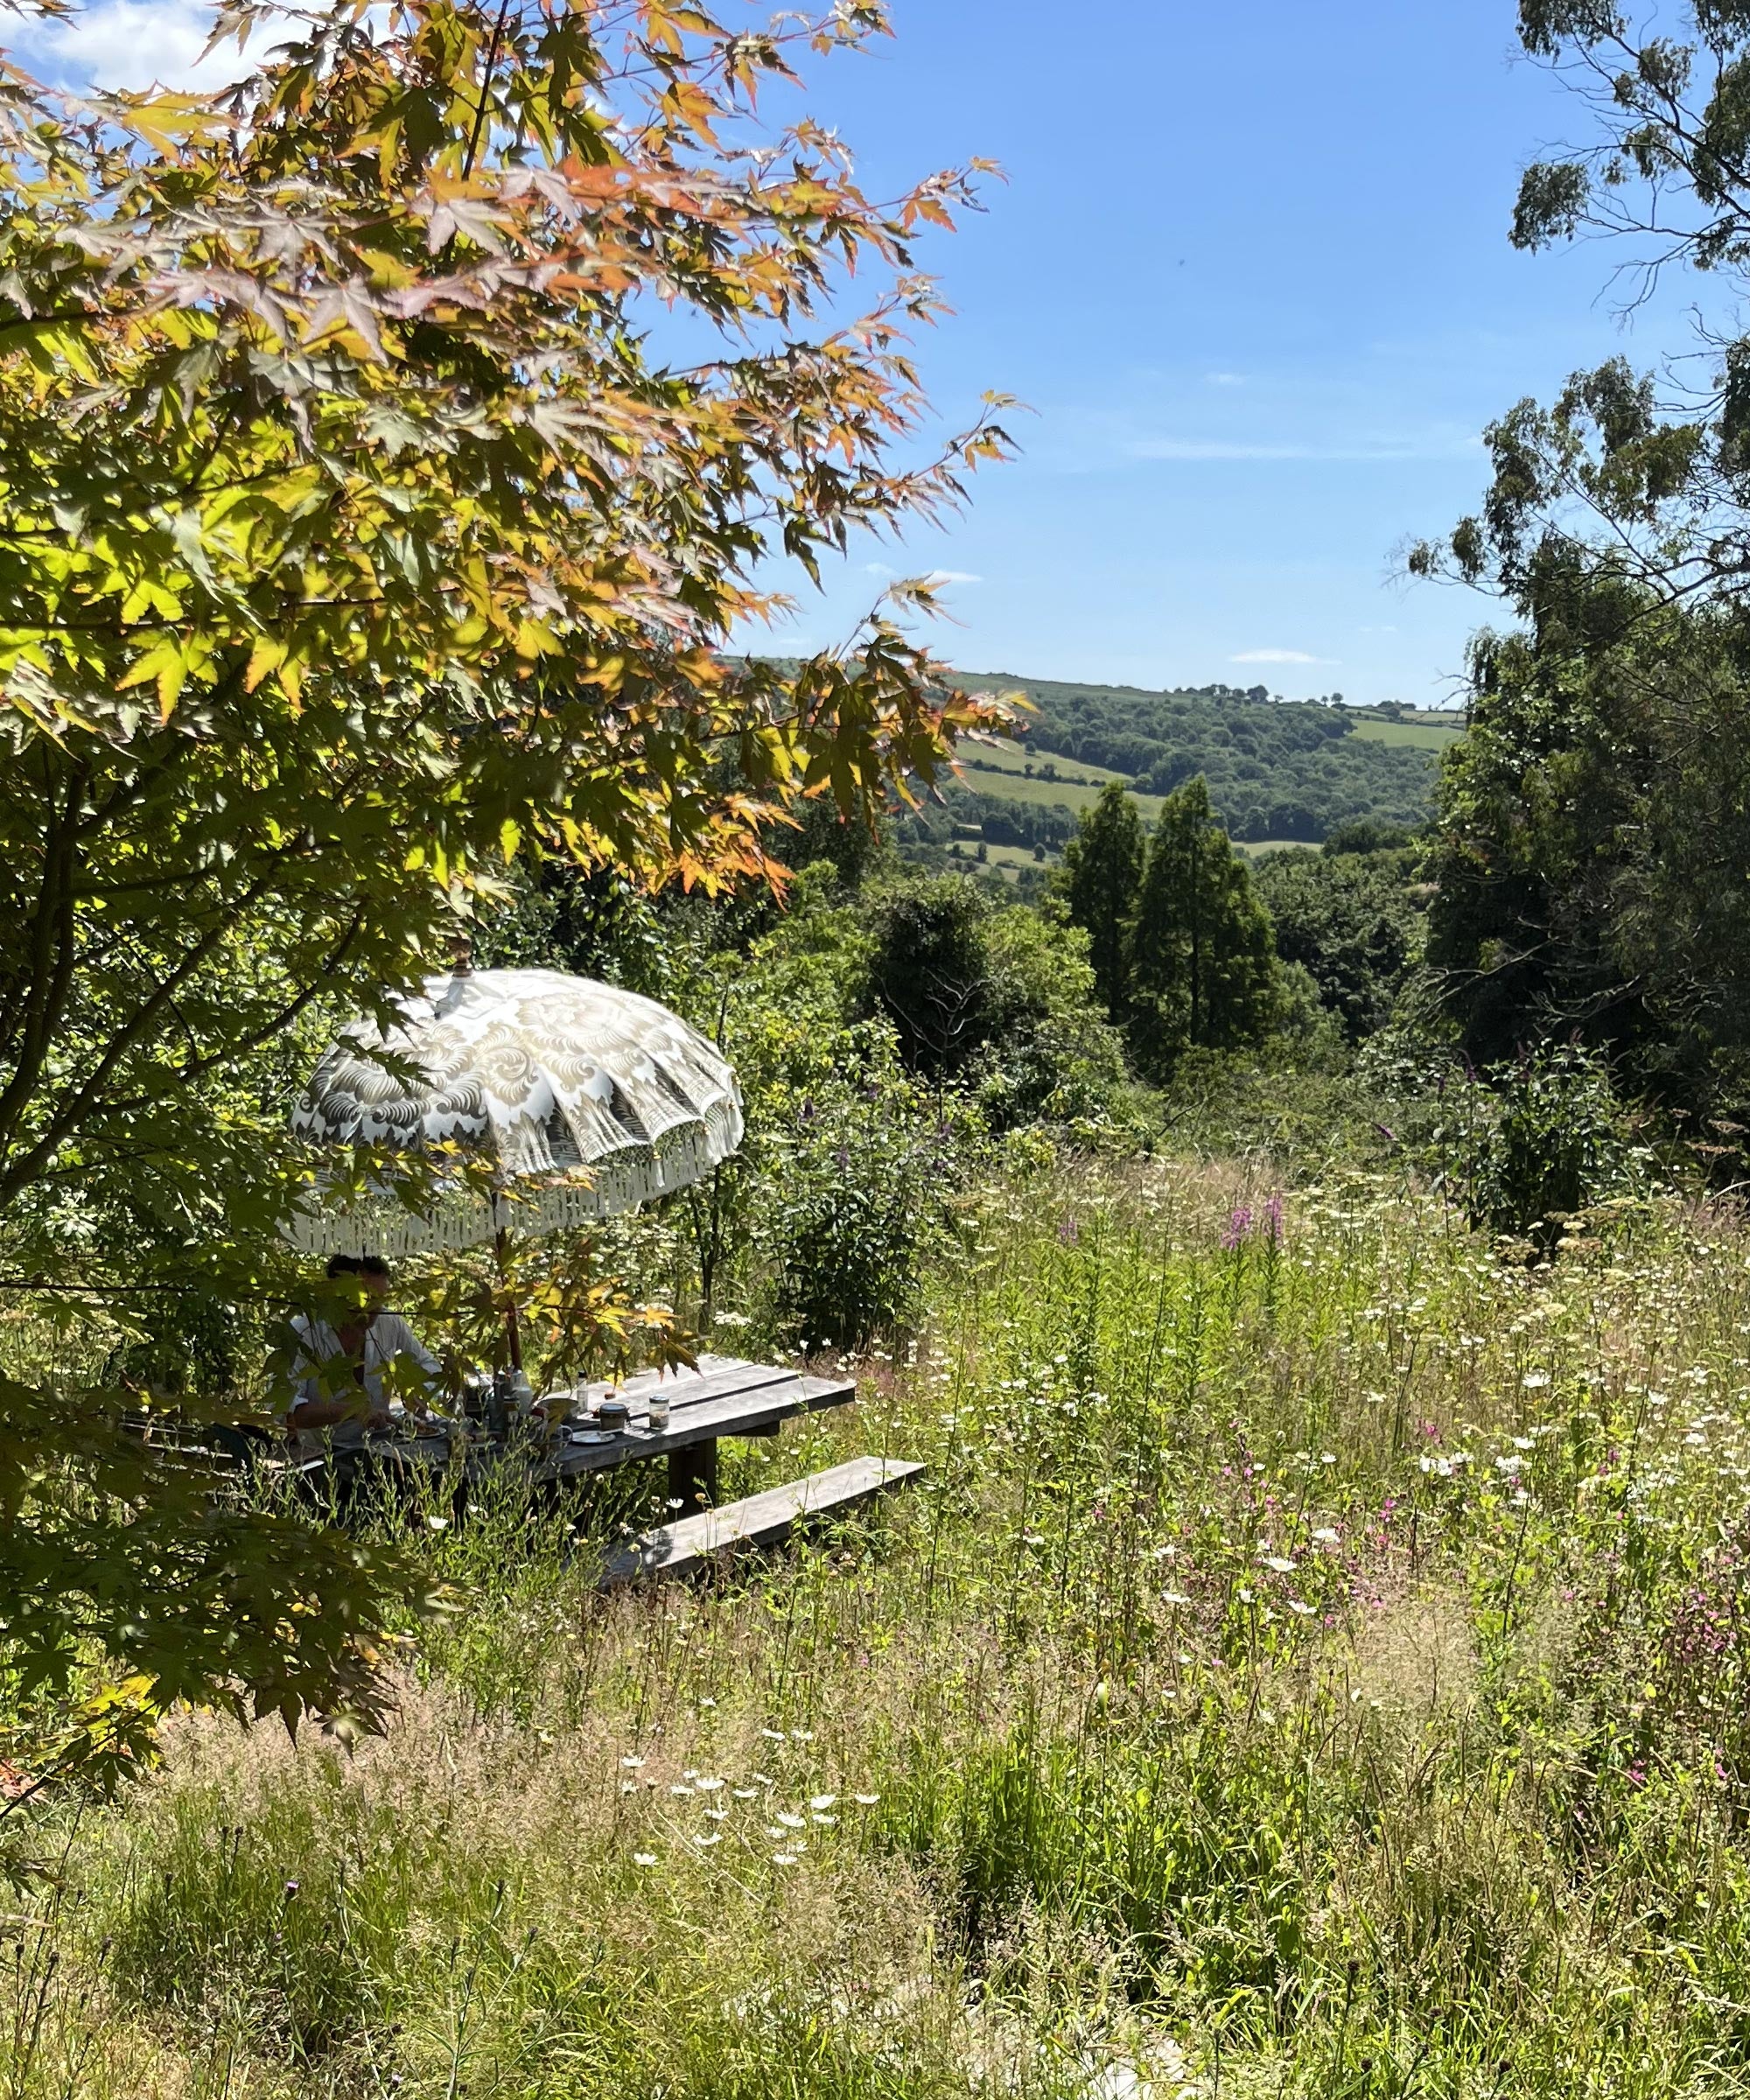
(1272, 1220)
(1238, 1226)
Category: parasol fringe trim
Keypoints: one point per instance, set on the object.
(382, 1226)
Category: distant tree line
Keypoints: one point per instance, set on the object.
(995, 819)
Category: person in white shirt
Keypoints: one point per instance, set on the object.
(338, 1369)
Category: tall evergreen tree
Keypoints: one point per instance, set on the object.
(1102, 874)
(1201, 954)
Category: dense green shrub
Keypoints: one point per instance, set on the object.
(1355, 919)
(929, 974)
(856, 1199)
(999, 997)
(1052, 1056)
(1522, 1146)
(1559, 1142)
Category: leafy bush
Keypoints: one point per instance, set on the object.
(1053, 1056)
(822, 1224)
(857, 1194)
(1001, 998)
(1353, 919)
(1522, 1146)
(1558, 1142)
(928, 974)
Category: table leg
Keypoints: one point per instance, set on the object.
(692, 1476)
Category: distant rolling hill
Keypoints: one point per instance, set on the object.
(1279, 771)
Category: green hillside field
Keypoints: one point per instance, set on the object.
(1003, 755)
(1003, 771)
(1426, 732)
(1280, 773)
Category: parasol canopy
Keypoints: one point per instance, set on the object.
(584, 1099)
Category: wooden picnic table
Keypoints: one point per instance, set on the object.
(724, 1396)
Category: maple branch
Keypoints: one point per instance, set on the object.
(487, 72)
(52, 957)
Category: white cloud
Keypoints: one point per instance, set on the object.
(928, 576)
(132, 43)
(1226, 378)
(1219, 448)
(1278, 656)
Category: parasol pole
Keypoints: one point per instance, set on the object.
(501, 1248)
(462, 965)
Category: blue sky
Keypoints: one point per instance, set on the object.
(1248, 269)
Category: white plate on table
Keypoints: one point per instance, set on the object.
(595, 1436)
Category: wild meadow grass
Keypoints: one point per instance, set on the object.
(1313, 1665)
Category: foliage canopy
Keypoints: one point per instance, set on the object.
(1591, 854)
(1354, 920)
(1648, 480)
(387, 448)
(1103, 870)
(1203, 967)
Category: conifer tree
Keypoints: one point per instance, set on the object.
(1102, 875)
(1201, 954)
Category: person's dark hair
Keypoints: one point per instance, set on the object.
(355, 1265)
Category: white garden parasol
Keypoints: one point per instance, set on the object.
(584, 1099)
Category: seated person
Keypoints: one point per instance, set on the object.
(341, 1361)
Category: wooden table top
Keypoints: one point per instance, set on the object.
(724, 1397)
